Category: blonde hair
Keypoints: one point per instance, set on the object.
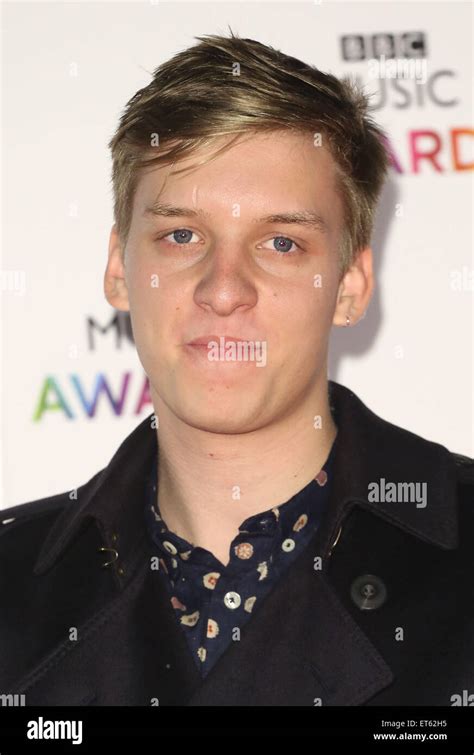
(196, 96)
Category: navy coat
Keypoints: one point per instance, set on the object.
(377, 610)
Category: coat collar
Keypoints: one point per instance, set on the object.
(367, 449)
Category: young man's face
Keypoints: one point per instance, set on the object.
(229, 270)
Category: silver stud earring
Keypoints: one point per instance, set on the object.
(348, 320)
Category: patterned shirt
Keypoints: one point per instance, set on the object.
(211, 601)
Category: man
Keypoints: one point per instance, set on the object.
(266, 538)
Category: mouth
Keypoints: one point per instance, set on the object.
(212, 349)
(203, 341)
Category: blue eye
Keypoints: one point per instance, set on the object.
(282, 245)
(181, 236)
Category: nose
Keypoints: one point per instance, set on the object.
(226, 283)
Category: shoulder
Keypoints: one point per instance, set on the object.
(30, 520)
(464, 469)
(23, 530)
(32, 510)
(464, 478)
(24, 527)
(28, 619)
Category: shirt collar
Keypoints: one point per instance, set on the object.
(302, 511)
(366, 449)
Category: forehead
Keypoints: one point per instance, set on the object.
(275, 171)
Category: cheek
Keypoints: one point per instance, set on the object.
(306, 310)
(144, 297)
(305, 330)
(145, 287)
(138, 279)
(158, 315)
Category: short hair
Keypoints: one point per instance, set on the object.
(195, 97)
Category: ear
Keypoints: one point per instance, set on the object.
(355, 290)
(115, 287)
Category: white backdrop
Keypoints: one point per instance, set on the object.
(68, 70)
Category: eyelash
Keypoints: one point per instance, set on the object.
(280, 254)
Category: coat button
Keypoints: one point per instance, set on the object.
(368, 592)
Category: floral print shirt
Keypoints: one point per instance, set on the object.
(211, 601)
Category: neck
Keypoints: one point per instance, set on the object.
(209, 483)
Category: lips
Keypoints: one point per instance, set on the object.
(204, 340)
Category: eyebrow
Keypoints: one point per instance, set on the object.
(308, 218)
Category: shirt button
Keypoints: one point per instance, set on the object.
(368, 592)
(244, 550)
(288, 544)
(169, 547)
(232, 599)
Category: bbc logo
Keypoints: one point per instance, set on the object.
(409, 45)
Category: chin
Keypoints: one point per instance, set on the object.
(228, 415)
(218, 425)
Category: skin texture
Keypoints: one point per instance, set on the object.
(236, 439)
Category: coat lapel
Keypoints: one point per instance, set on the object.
(129, 651)
(301, 648)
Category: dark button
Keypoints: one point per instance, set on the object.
(368, 592)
